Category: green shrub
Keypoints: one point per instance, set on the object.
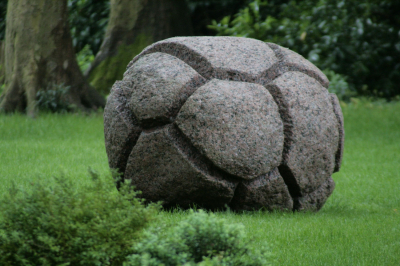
(202, 239)
(88, 20)
(84, 57)
(338, 84)
(53, 99)
(62, 225)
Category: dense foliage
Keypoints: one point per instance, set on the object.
(53, 99)
(3, 11)
(62, 225)
(201, 239)
(359, 40)
(88, 20)
(203, 12)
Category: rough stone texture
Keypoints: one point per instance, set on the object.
(162, 170)
(311, 132)
(315, 200)
(218, 57)
(121, 129)
(224, 120)
(339, 116)
(267, 191)
(236, 125)
(291, 61)
(162, 83)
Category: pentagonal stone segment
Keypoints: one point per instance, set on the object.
(291, 61)
(311, 130)
(236, 125)
(339, 117)
(231, 58)
(162, 83)
(267, 191)
(121, 129)
(163, 172)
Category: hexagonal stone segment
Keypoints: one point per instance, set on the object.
(231, 58)
(164, 172)
(236, 125)
(311, 130)
(162, 83)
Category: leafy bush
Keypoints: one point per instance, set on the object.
(201, 239)
(54, 99)
(84, 57)
(360, 40)
(202, 12)
(338, 85)
(62, 225)
(88, 20)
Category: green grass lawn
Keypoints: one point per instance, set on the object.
(359, 224)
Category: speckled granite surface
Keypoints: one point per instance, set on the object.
(339, 117)
(162, 83)
(236, 125)
(311, 132)
(121, 128)
(267, 191)
(162, 170)
(228, 58)
(221, 121)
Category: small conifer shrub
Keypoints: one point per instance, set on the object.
(201, 239)
(63, 225)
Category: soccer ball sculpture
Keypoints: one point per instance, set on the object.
(225, 121)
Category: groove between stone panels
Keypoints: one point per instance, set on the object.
(199, 161)
(339, 151)
(287, 67)
(178, 50)
(284, 170)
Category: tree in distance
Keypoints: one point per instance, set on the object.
(39, 56)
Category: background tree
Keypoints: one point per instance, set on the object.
(39, 56)
(1, 66)
(132, 26)
(3, 9)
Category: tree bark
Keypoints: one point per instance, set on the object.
(39, 55)
(1, 64)
(133, 25)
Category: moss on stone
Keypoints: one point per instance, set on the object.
(112, 68)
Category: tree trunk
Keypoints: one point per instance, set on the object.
(39, 56)
(133, 25)
(1, 64)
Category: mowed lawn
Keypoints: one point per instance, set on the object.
(359, 224)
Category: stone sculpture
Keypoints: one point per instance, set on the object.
(219, 121)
